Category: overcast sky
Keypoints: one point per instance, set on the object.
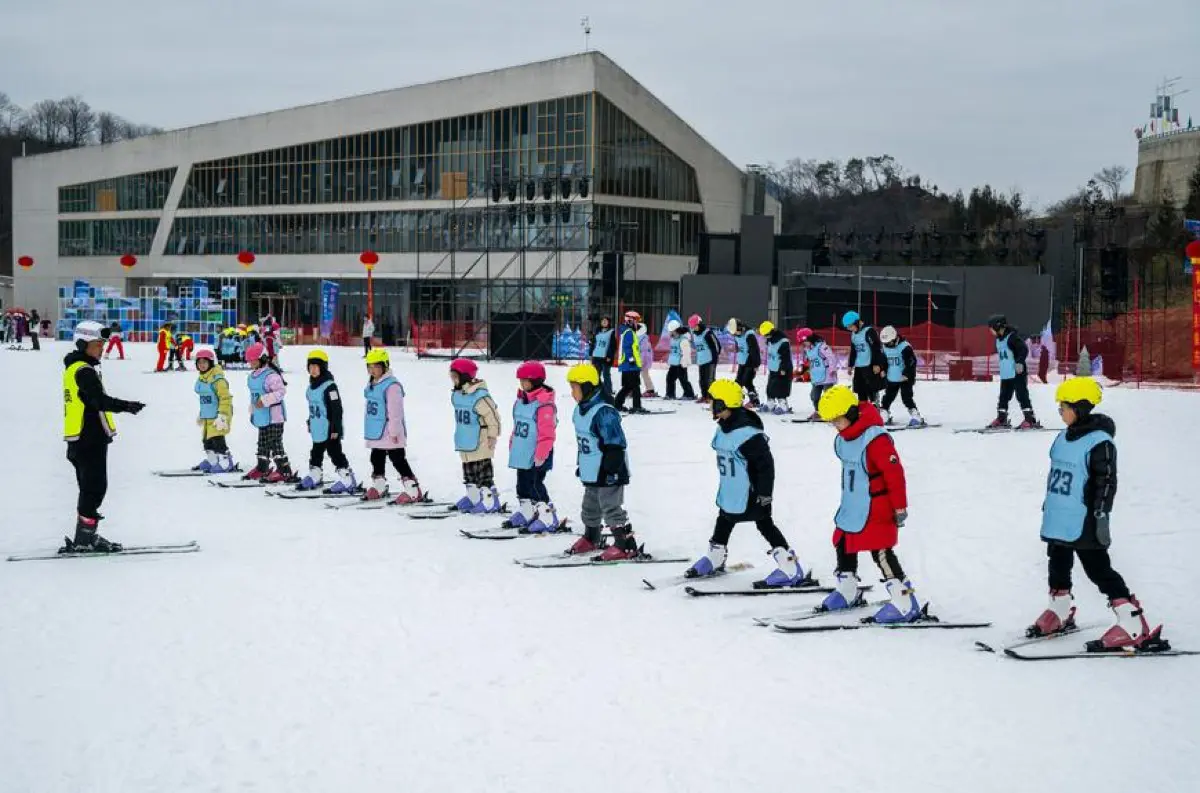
(1031, 94)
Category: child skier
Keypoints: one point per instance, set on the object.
(603, 346)
(749, 357)
(385, 431)
(1080, 491)
(779, 368)
(216, 414)
(531, 450)
(746, 474)
(867, 360)
(822, 366)
(326, 428)
(1011, 349)
(268, 413)
(114, 340)
(165, 345)
(630, 362)
(647, 350)
(901, 375)
(708, 350)
(874, 506)
(476, 430)
(602, 465)
(186, 346)
(677, 371)
(229, 346)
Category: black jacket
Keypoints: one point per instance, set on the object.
(876, 348)
(785, 351)
(753, 354)
(1016, 345)
(333, 403)
(760, 463)
(95, 401)
(1101, 487)
(908, 359)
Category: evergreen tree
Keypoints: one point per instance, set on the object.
(1191, 209)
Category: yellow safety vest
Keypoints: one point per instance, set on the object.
(73, 409)
(637, 348)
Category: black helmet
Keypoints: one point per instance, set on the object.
(997, 321)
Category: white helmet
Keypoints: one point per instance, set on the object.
(642, 330)
(732, 325)
(90, 330)
(673, 326)
(888, 335)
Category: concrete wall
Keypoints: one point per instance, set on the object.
(1166, 160)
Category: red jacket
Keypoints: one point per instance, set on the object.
(888, 488)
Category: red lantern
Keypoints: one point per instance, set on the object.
(246, 258)
(369, 259)
(128, 261)
(25, 262)
(1193, 250)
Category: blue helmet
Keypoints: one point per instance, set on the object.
(849, 318)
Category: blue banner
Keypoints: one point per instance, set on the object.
(329, 296)
(1193, 227)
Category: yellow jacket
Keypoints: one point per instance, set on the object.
(215, 377)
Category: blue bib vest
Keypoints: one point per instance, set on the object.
(228, 345)
(1063, 510)
(525, 434)
(675, 356)
(743, 348)
(733, 491)
(260, 417)
(467, 429)
(862, 350)
(895, 361)
(703, 352)
(588, 443)
(775, 355)
(207, 391)
(318, 415)
(852, 513)
(602, 343)
(375, 417)
(816, 365)
(1008, 367)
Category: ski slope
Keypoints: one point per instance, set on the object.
(307, 649)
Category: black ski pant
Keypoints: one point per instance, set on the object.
(745, 378)
(91, 474)
(33, 337)
(677, 373)
(817, 390)
(1096, 566)
(866, 384)
(779, 385)
(631, 384)
(333, 446)
(216, 444)
(706, 378)
(605, 370)
(379, 458)
(905, 390)
(723, 529)
(270, 447)
(1018, 385)
(886, 559)
(531, 483)
(366, 345)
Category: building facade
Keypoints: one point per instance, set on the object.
(479, 194)
(1164, 165)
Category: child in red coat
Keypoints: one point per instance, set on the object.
(873, 508)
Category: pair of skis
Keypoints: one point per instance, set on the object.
(1002, 430)
(513, 533)
(1017, 649)
(591, 559)
(128, 550)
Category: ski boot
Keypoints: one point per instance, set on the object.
(710, 563)
(377, 490)
(845, 594)
(787, 572)
(224, 465)
(915, 419)
(410, 493)
(888, 421)
(902, 605)
(1131, 631)
(650, 394)
(469, 501)
(624, 545)
(282, 475)
(1030, 422)
(312, 480)
(208, 464)
(1000, 422)
(489, 501)
(520, 518)
(585, 544)
(87, 540)
(259, 471)
(546, 520)
(1059, 616)
(345, 484)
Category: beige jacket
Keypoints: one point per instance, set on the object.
(489, 425)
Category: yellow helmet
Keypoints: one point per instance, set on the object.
(836, 402)
(583, 373)
(1079, 389)
(766, 328)
(378, 356)
(318, 355)
(253, 328)
(727, 393)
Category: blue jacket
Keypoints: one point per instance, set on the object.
(631, 354)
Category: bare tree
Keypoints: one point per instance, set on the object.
(78, 119)
(110, 127)
(10, 115)
(46, 121)
(1111, 178)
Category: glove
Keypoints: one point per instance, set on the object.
(611, 480)
(1020, 368)
(491, 443)
(876, 369)
(901, 517)
(220, 424)
(538, 463)
(258, 404)
(764, 503)
(134, 407)
(1102, 533)
(333, 436)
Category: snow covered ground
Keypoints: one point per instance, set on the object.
(305, 649)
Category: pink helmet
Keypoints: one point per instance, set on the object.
(206, 355)
(531, 370)
(465, 367)
(803, 334)
(256, 351)
(694, 321)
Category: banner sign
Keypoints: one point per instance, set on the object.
(329, 296)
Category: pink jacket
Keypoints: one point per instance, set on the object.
(547, 422)
(273, 399)
(395, 436)
(830, 358)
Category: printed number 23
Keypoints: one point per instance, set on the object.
(1060, 481)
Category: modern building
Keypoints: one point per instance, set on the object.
(501, 191)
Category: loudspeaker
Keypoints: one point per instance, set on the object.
(608, 273)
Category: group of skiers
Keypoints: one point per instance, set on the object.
(16, 324)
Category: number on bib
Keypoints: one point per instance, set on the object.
(1060, 482)
(521, 429)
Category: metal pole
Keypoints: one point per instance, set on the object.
(859, 306)
(912, 294)
(1079, 306)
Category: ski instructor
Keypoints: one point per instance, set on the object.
(88, 428)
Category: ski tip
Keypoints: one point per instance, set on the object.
(649, 585)
(984, 647)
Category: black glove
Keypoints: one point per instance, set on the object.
(1102, 534)
(134, 407)
(764, 503)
